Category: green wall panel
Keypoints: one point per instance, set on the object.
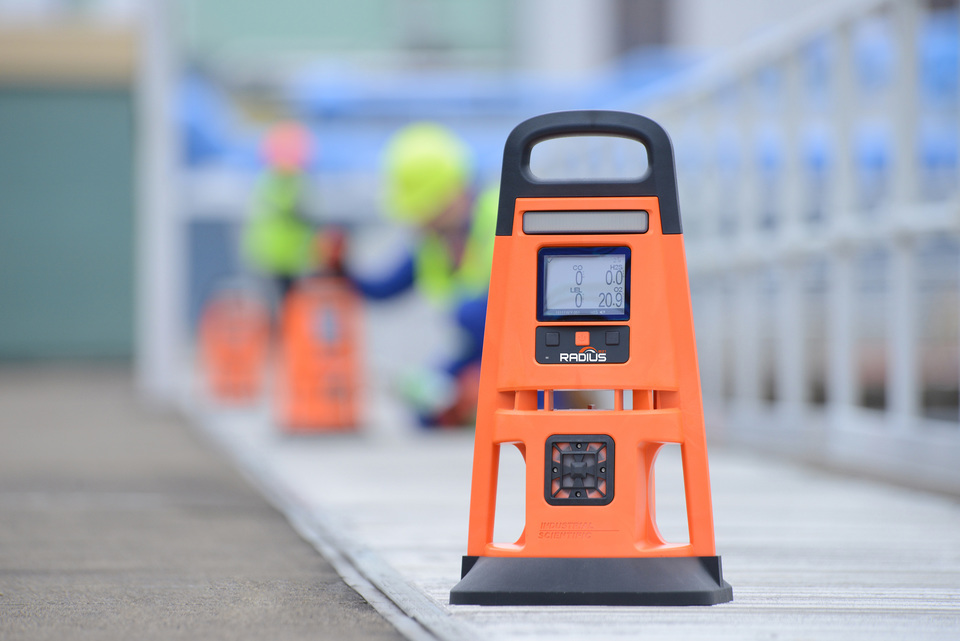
(66, 223)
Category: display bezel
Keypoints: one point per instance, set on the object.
(581, 251)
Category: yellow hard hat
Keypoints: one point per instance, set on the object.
(426, 167)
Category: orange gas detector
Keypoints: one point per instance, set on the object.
(318, 382)
(234, 342)
(589, 291)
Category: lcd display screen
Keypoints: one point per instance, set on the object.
(584, 283)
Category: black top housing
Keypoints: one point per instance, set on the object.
(517, 181)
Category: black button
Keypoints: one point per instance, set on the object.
(613, 338)
(552, 339)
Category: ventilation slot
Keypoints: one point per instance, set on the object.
(510, 515)
(671, 503)
(583, 399)
(597, 399)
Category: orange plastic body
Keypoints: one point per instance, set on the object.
(318, 382)
(661, 374)
(234, 342)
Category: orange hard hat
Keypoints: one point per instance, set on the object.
(288, 146)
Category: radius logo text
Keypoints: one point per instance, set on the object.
(586, 355)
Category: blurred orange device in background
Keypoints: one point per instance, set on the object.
(234, 346)
(318, 376)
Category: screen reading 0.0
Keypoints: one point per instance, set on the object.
(587, 284)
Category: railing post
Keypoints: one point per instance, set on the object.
(746, 339)
(790, 327)
(159, 242)
(710, 326)
(746, 287)
(692, 178)
(902, 375)
(842, 380)
(707, 195)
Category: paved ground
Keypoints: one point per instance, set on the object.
(116, 524)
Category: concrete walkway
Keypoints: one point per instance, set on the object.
(116, 524)
(810, 555)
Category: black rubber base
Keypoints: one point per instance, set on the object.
(685, 580)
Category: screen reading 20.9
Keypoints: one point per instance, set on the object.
(585, 285)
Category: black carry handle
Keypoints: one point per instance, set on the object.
(517, 181)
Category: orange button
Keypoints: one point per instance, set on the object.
(581, 338)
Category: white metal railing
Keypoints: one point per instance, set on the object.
(786, 201)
